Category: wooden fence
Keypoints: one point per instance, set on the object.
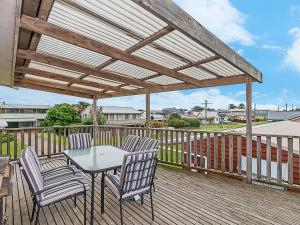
(275, 159)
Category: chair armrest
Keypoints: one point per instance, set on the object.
(59, 184)
(58, 168)
(53, 160)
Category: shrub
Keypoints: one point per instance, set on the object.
(87, 121)
(173, 116)
(190, 122)
(177, 123)
(4, 137)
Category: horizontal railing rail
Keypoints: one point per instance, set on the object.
(275, 158)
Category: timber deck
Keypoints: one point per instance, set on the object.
(181, 197)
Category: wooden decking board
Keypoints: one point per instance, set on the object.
(215, 206)
(181, 198)
(244, 213)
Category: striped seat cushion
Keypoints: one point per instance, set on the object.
(60, 172)
(147, 144)
(58, 192)
(32, 171)
(130, 143)
(53, 172)
(80, 140)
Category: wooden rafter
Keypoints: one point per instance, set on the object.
(176, 17)
(61, 77)
(43, 13)
(42, 27)
(135, 47)
(82, 68)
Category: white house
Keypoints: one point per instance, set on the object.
(114, 115)
(15, 115)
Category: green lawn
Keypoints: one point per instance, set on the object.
(4, 149)
(224, 127)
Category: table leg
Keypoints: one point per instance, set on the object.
(102, 192)
(92, 198)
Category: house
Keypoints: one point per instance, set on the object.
(167, 111)
(114, 115)
(211, 117)
(16, 116)
(274, 116)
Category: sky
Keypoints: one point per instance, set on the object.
(266, 33)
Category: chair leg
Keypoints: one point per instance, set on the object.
(142, 199)
(153, 187)
(37, 215)
(33, 210)
(84, 204)
(121, 213)
(75, 202)
(151, 200)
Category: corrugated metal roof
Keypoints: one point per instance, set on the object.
(283, 115)
(20, 106)
(114, 110)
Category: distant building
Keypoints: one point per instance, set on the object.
(275, 116)
(22, 115)
(167, 111)
(213, 117)
(124, 116)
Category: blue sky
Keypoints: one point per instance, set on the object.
(266, 33)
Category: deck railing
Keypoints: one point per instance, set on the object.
(275, 159)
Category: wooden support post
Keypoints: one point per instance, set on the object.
(249, 127)
(148, 113)
(94, 118)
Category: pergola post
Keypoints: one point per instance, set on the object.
(94, 118)
(148, 113)
(249, 128)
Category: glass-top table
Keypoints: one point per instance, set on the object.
(95, 160)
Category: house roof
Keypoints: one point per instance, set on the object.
(283, 115)
(22, 117)
(281, 128)
(19, 106)
(116, 48)
(114, 110)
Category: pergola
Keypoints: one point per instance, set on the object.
(101, 48)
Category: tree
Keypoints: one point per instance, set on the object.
(62, 115)
(100, 118)
(197, 108)
(242, 106)
(232, 106)
(173, 116)
(80, 106)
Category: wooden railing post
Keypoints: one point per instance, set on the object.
(249, 128)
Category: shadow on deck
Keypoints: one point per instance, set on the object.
(181, 197)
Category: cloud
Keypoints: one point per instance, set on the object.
(221, 18)
(272, 47)
(292, 57)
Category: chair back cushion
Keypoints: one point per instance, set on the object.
(147, 144)
(80, 140)
(137, 173)
(32, 171)
(35, 156)
(130, 143)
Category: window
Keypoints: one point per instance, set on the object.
(28, 111)
(111, 117)
(126, 116)
(11, 111)
(133, 116)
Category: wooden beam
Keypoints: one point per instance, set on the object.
(26, 80)
(43, 13)
(137, 46)
(43, 27)
(82, 68)
(52, 90)
(182, 86)
(249, 128)
(148, 112)
(176, 17)
(198, 63)
(60, 77)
